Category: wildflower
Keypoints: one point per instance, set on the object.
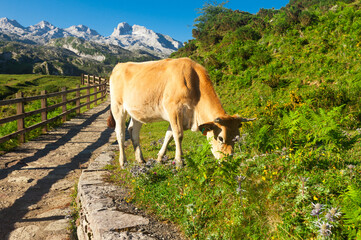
(303, 179)
(317, 209)
(351, 167)
(236, 139)
(332, 214)
(240, 179)
(324, 228)
(315, 198)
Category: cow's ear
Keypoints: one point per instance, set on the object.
(206, 127)
(241, 120)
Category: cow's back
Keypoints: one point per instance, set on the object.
(147, 89)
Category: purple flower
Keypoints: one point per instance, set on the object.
(317, 209)
(332, 214)
(324, 228)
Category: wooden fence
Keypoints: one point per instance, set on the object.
(98, 84)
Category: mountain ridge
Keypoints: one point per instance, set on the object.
(133, 38)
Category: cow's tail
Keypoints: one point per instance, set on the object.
(111, 121)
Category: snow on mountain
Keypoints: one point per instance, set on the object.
(139, 37)
(11, 26)
(133, 38)
(44, 31)
(83, 32)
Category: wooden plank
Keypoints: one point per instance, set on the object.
(20, 110)
(63, 98)
(44, 114)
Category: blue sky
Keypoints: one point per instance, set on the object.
(173, 18)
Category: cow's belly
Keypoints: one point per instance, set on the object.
(147, 114)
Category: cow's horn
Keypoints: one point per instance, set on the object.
(217, 120)
(247, 119)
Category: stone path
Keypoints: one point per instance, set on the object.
(37, 179)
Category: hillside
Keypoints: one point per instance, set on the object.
(65, 56)
(296, 171)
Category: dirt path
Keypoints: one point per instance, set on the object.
(37, 179)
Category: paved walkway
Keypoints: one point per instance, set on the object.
(37, 179)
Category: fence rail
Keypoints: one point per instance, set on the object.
(99, 85)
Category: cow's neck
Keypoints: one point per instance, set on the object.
(209, 106)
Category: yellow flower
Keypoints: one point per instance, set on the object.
(274, 173)
(315, 198)
(263, 178)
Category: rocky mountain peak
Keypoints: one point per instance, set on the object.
(82, 31)
(123, 28)
(10, 24)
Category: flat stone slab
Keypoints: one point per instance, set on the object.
(99, 218)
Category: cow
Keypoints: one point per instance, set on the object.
(175, 90)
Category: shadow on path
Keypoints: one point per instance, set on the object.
(51, 146)
(34, 194)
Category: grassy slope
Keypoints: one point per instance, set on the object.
(301, 79)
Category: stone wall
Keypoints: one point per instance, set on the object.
(99, 219)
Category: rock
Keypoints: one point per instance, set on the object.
(24, 233)
(20, 179)
(58, 225)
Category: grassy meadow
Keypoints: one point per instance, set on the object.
(296, 170)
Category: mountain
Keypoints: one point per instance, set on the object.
(64, 56)
(138, 37)
(133, 38)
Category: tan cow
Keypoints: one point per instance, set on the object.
(176, 90)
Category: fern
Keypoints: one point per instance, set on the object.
(352, 210)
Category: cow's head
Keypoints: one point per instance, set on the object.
(222, 133)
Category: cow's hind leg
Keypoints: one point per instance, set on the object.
(120, 117)
(134, 131)
(167, 139)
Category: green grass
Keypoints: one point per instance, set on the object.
(301, 80)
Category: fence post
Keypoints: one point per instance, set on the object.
(82, 79)
(63, 96)
(44, 115)
(95, 96)
(77, 102)
(21, 123)
(101, 87)
(104, 89)
(88, 95)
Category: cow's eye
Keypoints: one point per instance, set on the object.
(220, 139)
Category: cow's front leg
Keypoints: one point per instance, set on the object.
(134, 131)
(167, 139)
(176, 121)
